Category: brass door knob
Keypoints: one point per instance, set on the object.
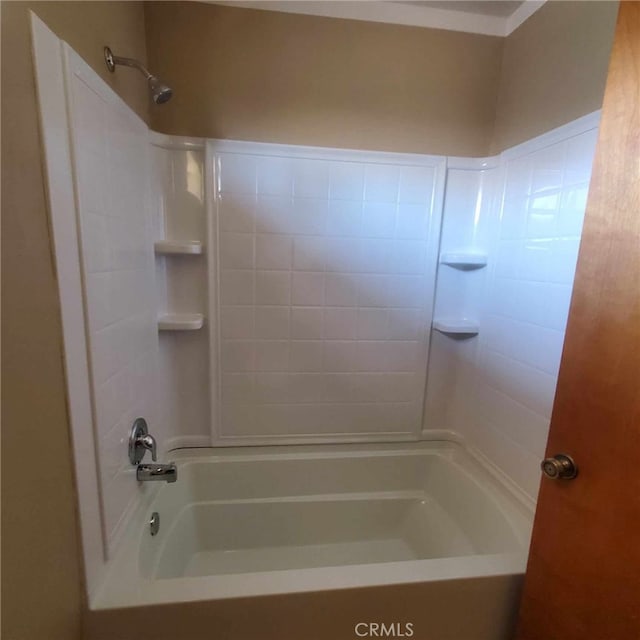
(560, 467)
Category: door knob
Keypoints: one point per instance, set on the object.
(560, 467)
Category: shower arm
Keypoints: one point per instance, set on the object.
(112, 61)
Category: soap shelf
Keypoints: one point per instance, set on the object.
(180, 322)
(461, 327)
(464, 260)
(176, 247)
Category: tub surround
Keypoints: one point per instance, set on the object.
(110, 151)
(506, 257)
(386, 519)
(523, 211)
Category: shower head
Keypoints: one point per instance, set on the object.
(160, 92)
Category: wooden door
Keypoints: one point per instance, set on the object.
(583, 578)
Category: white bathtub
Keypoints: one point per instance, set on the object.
(310, 542)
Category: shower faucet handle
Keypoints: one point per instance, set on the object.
(141, 441)
(149, 443)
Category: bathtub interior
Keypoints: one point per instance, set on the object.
(247, 511)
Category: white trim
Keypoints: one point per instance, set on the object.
(397, 13)
(521, 14)
(218, 145)
(56, 143)
(72, 65)
(187, 442)
(213, 287)
(441, 435)
(563, 132)
(427, 435)
(473, 164)
(175, 143)
(285, 440)
(559, 134)
(323, 153)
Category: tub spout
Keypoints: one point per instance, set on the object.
(157, 472)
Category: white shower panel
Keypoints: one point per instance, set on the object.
(469, 219)
(326, 267)
(111, 163)
(504, 393)
(180, 219)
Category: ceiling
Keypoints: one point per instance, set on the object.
(493, 18)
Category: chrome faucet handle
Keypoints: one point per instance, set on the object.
(149, 443)
(141, 441)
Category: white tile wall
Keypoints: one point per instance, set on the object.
(325, 295)
(503, 395)
(110, 147)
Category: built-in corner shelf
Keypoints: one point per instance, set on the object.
(464, 260)
(460, 327)
(180, 322)
(178, 248)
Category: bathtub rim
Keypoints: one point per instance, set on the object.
(178, 448)
(124, 587)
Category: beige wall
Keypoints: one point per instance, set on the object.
(554, 69)
(41, 590)
(257, 75)
(266, 76)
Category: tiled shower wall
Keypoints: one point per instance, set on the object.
(326, 284)
(506, 381)
(111, 162)
(326, 273)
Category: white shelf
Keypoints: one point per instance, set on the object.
(465, 260)
(180, 322)
(456, 326)
(181, 248)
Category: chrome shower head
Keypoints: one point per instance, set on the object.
(160, 92)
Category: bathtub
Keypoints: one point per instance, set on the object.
(329, 542)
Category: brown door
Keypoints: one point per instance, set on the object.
(583, 578)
